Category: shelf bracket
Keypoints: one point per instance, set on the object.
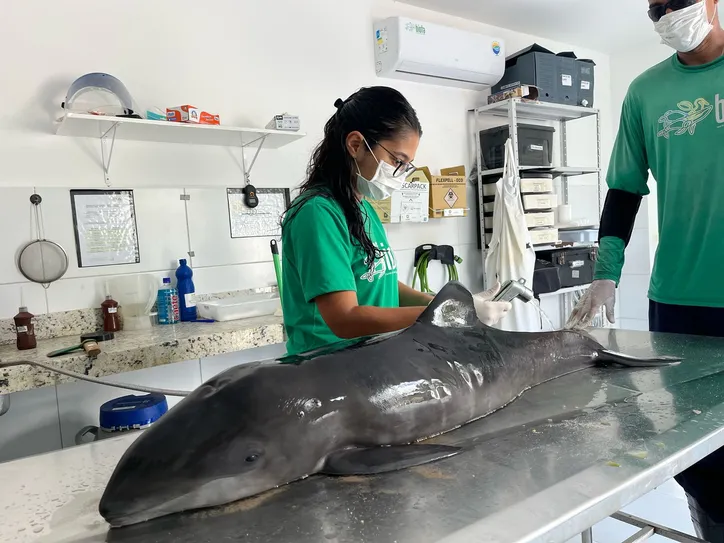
(107, 151)
(247, 172)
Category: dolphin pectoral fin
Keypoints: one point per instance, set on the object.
(372, 460)
(636, 362)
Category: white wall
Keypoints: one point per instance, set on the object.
(243, 59)
(633, 301)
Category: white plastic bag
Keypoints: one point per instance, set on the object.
(511, 254)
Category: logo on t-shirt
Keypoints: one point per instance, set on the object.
(387, 263)
(684, 119)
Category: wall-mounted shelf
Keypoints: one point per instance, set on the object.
(93, 126)
(108, 129)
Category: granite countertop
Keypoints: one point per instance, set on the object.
(136, 350)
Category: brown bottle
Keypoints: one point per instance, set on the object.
(111, 322)
(25, 329)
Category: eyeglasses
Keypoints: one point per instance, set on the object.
(402, 166)
(659, 10)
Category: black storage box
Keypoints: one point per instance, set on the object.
(535, 145)
(546, 278)
(575, 265)
(561, 79)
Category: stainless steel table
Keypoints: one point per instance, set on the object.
(563, 457)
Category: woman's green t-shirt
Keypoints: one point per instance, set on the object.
(319, 256)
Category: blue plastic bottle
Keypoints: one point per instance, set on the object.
(167, 303)
(185, 286)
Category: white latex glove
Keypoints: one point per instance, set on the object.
(602, 292)
(489, 312)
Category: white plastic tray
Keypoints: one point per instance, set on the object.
(241, 307)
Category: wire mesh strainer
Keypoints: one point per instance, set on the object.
(42, 261)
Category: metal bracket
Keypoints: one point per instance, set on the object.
(246, 172)
(107, 151)
(647, 530)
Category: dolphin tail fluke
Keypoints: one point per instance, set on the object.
(637, 362)
(373, 460)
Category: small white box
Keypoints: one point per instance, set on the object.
(543, 236)
(284, 122)
(488, 207)
(534, 220)
(539, 201)
(536, 185)
(489, 189)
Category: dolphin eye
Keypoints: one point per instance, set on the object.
(252, 458)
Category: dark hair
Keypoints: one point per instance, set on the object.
(378, 113)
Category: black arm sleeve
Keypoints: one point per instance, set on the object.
(619, 214)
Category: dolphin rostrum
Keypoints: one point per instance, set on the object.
(361, 410)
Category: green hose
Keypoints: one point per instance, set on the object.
(421, 272)
(277, 265)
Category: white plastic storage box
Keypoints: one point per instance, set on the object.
(240, 307)
(534, 220)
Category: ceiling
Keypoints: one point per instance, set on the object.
(601, 25)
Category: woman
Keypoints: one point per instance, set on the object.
(339, 274)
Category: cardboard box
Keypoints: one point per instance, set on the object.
(448, 193)
(407, 205)
(383, 208)
(284, 122)
(525, 92)
(410, 203)
(190, 114)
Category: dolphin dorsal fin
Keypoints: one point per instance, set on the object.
(453, 307)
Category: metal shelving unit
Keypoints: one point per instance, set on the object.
(515, 110)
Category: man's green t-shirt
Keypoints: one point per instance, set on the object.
(672, 123)
(320, 257)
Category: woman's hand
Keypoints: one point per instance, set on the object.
(489, 312)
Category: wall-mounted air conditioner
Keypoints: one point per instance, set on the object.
(436, 54)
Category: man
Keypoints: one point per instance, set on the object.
(672, 123)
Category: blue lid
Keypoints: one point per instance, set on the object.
(166, 280)
(132, 411)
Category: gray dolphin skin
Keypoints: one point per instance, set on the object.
(361, 410)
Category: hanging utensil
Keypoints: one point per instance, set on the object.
(42, 261)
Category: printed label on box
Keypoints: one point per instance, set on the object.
(585, 85)
(453, 213)
(567, 80)
(410, 203)
(536, 147)
(451, 197)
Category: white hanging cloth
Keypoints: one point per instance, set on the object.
(511, 254)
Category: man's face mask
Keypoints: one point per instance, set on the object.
(685, 28)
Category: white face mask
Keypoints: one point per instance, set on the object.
(685, 29)
(382, 184)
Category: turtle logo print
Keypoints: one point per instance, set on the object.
(683, 120)
(385, 264)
